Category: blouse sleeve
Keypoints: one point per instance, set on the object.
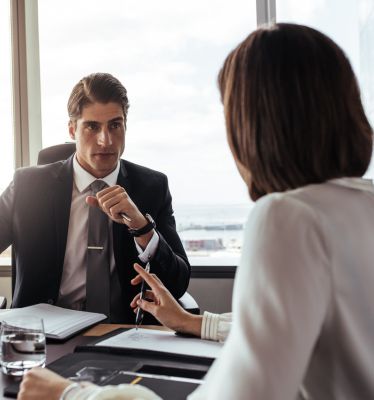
(281, 297)
(215, 326)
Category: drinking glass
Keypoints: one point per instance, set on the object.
(23, 344)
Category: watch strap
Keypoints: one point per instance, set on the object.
(145, 229)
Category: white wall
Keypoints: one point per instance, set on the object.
(212, 295)
(6, 288)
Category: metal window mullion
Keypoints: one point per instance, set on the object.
(266, 11)
(26, 81)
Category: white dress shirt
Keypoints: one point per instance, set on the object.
(303, 319)
(73, 283)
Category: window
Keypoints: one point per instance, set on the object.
(168, 55)
(349, 23)
(7, 153)
(7, 157)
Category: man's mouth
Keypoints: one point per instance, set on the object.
(104, 154)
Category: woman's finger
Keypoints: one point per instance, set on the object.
(134, 300)
(149, 296)
(135, 281)
(153, 282)
(147, 306)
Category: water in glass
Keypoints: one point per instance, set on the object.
(22, 348)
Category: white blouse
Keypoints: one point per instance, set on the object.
(303, 320)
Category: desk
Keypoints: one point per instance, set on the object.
(57, 350)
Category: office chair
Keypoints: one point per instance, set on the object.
(55, 153)
(64, 151)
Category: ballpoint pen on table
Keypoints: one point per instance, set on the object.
(140, 312)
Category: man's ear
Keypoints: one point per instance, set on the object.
(72, 129)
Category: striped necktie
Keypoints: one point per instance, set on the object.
(98, 258)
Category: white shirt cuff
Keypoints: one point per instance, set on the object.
(150, 250)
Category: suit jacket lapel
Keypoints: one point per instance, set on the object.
(123, 244)
(62, 193)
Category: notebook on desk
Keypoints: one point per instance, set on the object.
(59, 323)
(156, 341)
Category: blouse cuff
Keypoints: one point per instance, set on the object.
(78, 391)
(209, 326)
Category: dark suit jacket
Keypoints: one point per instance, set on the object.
(34, 218)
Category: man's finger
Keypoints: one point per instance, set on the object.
(108, 192)
(92, 201)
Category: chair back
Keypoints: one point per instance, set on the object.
(56, 153)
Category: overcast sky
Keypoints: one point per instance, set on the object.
(168, 55)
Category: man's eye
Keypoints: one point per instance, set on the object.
(92, 127)
(115, 125)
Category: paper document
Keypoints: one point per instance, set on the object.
(166, 342)
(59, 323)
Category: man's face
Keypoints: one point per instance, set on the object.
(100, 137)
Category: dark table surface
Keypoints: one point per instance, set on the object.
(54, 351)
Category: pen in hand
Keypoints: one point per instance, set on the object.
(140, 312)
(125, 216)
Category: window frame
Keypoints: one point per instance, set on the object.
(27, 122)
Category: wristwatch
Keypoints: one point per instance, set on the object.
(147, 228)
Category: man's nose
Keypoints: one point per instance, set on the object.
(104, 137)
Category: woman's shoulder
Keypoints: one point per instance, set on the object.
(304, 201)
(283, 206)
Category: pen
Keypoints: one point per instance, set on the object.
(140, 312)
(125, 216)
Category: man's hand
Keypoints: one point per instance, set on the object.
(40, 383)
(113, 201)
(161, 304)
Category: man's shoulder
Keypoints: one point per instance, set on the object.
(131, 169)
(40, 173)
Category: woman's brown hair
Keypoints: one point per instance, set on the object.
(293, 110)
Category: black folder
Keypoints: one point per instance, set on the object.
(170, 376)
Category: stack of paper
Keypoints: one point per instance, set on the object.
(59, 323)
(166, 342)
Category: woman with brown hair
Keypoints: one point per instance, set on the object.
(302, 318)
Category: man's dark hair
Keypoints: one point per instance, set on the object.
(98, 87)
(293, 110)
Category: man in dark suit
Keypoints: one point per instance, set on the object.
(45, 213)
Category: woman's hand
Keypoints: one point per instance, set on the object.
(161, 304)
(41, 383)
